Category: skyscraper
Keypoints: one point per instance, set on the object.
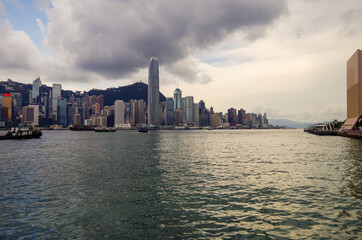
(6, 109)
(56, 93)
(153, 92)
(119, 112)
(170, 113)
(232, 117)
(187, 109)
(177, 98)
(36, 91)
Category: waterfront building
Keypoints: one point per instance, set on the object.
(204, 116)
(178, 118)
(354, 90)
(196, 114)
(215, 120)
(232, 117)
(187, 109)
(133, 112)
(31, 115)
(242, 117)
(88, 122)
(6, 108)
(36, 91)
(70, 113)
(170, 113)
(119, 112)
(62, 112)
(77, 119)
(141, 115)
(56, 93)
(153, 92)
(17, 101)
(177, 98)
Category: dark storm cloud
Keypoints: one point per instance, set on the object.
(116, 38)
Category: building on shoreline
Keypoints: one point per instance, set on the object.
(354, 90)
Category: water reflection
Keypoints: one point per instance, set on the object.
(169, 184)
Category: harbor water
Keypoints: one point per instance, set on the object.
(242, 184)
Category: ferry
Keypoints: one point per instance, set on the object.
(143, 130)
(22, 132)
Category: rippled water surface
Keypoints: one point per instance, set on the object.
(242, 184)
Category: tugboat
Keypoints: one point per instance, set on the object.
(22, 132)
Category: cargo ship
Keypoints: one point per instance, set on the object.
(82, 127)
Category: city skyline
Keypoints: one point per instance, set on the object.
(289, 61)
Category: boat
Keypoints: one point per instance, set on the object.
(82, 127)
(143, 130)
(99, 129)
(22, 132)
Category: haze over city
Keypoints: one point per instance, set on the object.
(285, 58)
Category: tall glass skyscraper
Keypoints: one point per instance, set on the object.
(177, 97)
(36, 91)
(153, 93)
(170, 113)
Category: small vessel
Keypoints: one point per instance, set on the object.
(22, 132)
(143, 130)
(99, 129)
(82, 128)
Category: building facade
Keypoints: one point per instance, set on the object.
(153, 93)
(354, 85)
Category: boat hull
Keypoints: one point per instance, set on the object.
(35, 134)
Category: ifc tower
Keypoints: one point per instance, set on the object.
(153, 107)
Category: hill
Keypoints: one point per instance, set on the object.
(288, 123)
(138, 90)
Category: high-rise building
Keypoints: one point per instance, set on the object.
(56, 93)
(141, 115)
(100, 100)
(354, 90)
(232, 117)
(177, 98)
(62, 112)
(196, 115)
(204, 116)
(215, 120)
(170, 113)
(77, 119)
(354, 85)
(187, 109)
(153, 92)
(6, 108)
(17, 101)
(36, 91)
(31, 115)
(97, 108)
(241, 116)
(133, 112)
(178, 118)
(119, 112)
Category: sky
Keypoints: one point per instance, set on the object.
(284, 58)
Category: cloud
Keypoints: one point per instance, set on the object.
(41, 27)
(17, 50)
(119, 37)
